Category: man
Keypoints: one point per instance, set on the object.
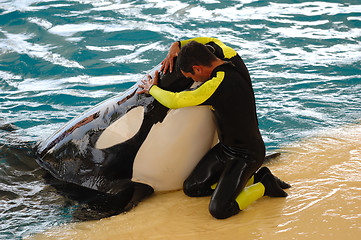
(226, 87)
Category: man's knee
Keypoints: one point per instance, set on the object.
(220, 210)
(188, 188)
(193, 189)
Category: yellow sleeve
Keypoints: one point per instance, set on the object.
(194, 97)
(228, 52)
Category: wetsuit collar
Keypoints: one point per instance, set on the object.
(216, 69)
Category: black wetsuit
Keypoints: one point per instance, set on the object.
(241, 149)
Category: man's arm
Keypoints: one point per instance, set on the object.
(172, 53)
(189, 98)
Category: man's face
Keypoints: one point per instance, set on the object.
(198, 75)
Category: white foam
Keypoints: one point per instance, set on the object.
(41, 22)
(27, 5)
(19, 43)
(136, 56)
(6, 75)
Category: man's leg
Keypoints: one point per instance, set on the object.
(205, 174)
(267, 186)
(263, 171)
(236, 174)
(255, 189)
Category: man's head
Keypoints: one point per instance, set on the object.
(193, 58)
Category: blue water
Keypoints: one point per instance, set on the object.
(59, 58)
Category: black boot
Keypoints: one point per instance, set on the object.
(272, 189)
(263, 171)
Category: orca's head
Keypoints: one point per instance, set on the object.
(174, 81)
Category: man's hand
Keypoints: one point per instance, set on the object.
(168, 61)
(148, 83)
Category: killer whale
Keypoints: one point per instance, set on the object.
(108, 147)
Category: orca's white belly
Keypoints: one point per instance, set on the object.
(174, 147)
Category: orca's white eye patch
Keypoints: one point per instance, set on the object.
(122, 129)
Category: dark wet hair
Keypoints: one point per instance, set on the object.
(194, 53)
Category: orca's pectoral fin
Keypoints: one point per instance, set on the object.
(141, 191)
(271, 155)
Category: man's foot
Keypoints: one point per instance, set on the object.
(263, 171)
(272, 189)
